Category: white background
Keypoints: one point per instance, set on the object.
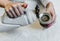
(28, 34)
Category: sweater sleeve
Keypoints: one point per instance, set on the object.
(45, 2)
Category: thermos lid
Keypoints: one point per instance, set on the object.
(45, 18)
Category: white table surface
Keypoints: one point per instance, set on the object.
(28, 34)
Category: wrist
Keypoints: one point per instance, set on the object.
(4, 3)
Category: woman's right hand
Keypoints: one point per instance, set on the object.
(14, 10)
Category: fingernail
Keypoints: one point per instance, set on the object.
(24, 5)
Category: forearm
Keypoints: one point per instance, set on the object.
(3, 3)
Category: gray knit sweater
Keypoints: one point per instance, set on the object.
(44, 2)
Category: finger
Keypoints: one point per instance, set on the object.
(12, 12)
(53, 19)
(20, 9)
(53, 15)
(16, 10)
(49, 12)
(9, 14)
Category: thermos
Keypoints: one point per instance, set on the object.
(45, 19)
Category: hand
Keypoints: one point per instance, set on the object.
(50, 9)
(14, 10)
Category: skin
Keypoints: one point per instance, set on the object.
(50, 10)
(10, 7)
